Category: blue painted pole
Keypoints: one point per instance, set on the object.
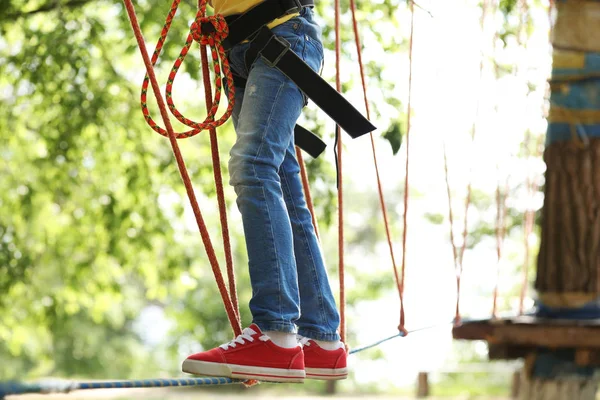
(568, 270)
(568, 278)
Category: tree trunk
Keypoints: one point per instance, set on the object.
(569, 259)
(568, 275)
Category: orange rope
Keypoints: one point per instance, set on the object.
(218, 176)
(221, 30)
(182, 168)
(501, 201)
(500, 236)
(529, 220)
(379, 185)
(455, 252)
(406, 184)
(527, 228)
(306, 187)
(338, 86)
(532, 187)
(458, 254)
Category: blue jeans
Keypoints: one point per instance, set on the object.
(290, 287)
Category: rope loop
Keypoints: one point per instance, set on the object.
(220, 66)
(219, 33)
(221, 69)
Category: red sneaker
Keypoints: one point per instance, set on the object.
(251, 355)
(323, 364)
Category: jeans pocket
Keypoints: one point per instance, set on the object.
(236, 58)
(313, 53)
(317, 46)
(290, 30)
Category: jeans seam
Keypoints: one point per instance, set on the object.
(260, 147)
(312, 258)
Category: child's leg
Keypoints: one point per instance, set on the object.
(271, 106)
(324, 355)
(319, 317)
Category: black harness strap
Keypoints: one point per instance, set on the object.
(275, 52)
(252, 25)
(308, 141)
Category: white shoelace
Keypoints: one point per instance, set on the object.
(241, 339)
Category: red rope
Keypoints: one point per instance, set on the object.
(501, 202)
(406, 180)
(500, 236)
(529, 222)
(218, 176)
(218, 55)
(306, 187)
(458, 255)
(532, 188)
(182, 168)
(379, 185)
(452, 241)
(338, 85)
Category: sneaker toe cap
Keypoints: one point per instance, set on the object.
(214, 355)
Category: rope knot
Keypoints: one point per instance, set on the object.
(403, 331)
(219, 31)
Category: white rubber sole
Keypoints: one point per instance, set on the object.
(326, 374)
(243, 371)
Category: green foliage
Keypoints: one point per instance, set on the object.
(394, 136)
(517, 23)
(507, 6)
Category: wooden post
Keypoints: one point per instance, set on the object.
(516, 385)
(422, 385)
(330, 387)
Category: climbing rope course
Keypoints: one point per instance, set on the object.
(66, 386)
(213, 38)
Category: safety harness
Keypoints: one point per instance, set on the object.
(275, 51)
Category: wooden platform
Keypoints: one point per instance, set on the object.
(516, 337)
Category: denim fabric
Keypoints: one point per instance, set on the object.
(290, 288)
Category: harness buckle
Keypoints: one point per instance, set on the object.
(296, 9)
(284, 43)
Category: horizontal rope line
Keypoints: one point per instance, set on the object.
(398, 335)
(58, 386)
